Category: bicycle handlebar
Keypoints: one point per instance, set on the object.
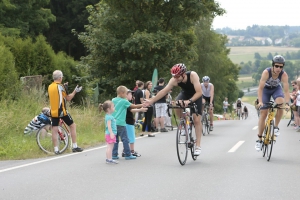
(179, 106)
(272, 104)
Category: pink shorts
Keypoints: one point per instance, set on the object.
(109, 140)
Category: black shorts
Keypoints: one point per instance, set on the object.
(198, 102)
(67, 119)
(207, 100)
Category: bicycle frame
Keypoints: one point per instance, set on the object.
(270, 117)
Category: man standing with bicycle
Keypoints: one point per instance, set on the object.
(58, 97)
(191, 92)
(269, 86)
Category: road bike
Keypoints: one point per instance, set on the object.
(205, 120)
(44, 138)
(268, 137)
(186, 136)
(238, 113)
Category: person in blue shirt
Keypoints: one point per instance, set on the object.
(121, 104)
(110, 130)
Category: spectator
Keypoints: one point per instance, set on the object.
(168, 122)
(121, 104)
(138, 98)
(225, 107)
(36, 123)
(130, 125)
(110, 130)
(58, 96)
(149, 113)
(136, 85)
(160, 107)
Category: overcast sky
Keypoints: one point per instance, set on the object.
(243, 13)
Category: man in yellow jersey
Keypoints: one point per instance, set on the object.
(58, 96)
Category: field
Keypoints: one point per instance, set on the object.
(245, 54)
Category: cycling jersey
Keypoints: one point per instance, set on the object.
(238, 104)
(188, 87)
(57, 95)
(272, 83)
(206, 90)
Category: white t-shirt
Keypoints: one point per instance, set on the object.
(225, 104)
(298, 98)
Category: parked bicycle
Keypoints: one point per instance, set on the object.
(44, 138)
(186, 136)
(268, 137)
(205, 120)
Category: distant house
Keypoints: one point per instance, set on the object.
(278, 41)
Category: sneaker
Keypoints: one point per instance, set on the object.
(136, 154)
(163, 130)
(258, 145)
(130, 157)
(182, 132)
(276, 131)
(197, 151)
(115, 157)
(155, 130)
(141, 135)
(57, 152)
(77, 149)
(111, 161)
(297, 128)
(149, 135)
(211, 127)
(123, 154)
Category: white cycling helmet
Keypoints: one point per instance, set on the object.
(239, 99)
(205, 79)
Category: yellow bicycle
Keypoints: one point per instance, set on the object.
(268, 137)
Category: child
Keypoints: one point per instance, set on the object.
(36, 123)
(121, 103)
(110, 130)
(130, 125)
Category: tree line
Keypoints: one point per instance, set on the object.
(117, 42)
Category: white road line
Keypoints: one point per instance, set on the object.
(235, 147)
(59, 157)
(255, 127)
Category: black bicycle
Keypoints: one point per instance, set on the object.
(186, 136)
(205, 120)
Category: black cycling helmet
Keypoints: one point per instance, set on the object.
(278, 59)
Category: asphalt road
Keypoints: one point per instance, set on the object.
(222, 171)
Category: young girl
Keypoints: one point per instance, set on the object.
(110, 129)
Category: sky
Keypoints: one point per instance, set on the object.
(243, 13)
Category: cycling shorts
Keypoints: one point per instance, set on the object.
(198, 102)
(207, 100)
(67, 119)
(271, 92)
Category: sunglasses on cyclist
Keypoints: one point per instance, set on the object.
(277, 66)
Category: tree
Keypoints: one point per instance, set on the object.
(70, 15)
(270, 56)
(257, 56)
(127, 39)
(30, 17)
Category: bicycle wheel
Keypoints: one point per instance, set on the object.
(44, 139)
(271, 141)
(181, 143)
(203, 124)
(192, 144)
(207, 126)
(264, 146)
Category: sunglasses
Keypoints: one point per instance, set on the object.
(293, 85)
(277, 66)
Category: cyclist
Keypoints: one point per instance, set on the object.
(245, 111)
(191, 92)
(269, 86)
(58, 95)
(208, 96)
(238, 106)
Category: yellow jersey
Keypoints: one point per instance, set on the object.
(57, 96)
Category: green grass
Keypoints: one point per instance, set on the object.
(15, 115)
(245, 54)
